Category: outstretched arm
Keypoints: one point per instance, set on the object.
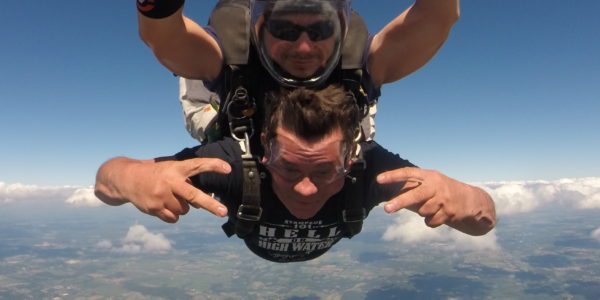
(409, 41)
(181, 45)
(160, 189)
(441, 200)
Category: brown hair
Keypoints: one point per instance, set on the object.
(312, 114)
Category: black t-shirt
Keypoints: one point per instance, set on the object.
(279, 236)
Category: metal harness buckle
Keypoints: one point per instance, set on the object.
(354, 217)
(249, 212)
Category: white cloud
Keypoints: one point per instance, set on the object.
(18, 192)
(138, 240)
(104, 244)
(410, 228)
(596, 234)
(84, 197)
(525, 196)
(73, 195)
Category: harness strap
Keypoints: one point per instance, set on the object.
(354, 43)
(231, 21)
(250, 211)
(353, 212)
(239, 107)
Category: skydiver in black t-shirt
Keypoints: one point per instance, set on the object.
(309, 143)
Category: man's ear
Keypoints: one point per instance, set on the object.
(350, 156)
(267, 149)
(263, 139)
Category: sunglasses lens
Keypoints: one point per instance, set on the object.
(288, 31)
(284, 30)
(320, 31)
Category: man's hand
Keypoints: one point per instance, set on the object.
(441, 200)
(160, 189)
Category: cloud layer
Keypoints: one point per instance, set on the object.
(409, 228)
(524, 196)
(72, 195)
(139, 240)
(18, 192)
(511, 197)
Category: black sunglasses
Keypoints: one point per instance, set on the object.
(289, 31)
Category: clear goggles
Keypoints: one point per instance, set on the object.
(319, 173)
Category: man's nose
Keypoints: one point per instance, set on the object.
(305, 187)
(303, 43)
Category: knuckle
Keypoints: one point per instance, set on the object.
(176, 210)
(158, 192)
(194, 201)
(166, 218)
(171, 220)
(190, 196)
(432, 223)
(184, 210)
(154, 211)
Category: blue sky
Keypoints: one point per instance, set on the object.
(512, 95)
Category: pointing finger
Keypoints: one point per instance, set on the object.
(198, 199)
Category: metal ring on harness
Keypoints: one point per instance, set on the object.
(244, 142)
(240, 108)
(240, 105)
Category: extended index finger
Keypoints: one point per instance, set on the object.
(410, 174)
(198, 199)
(194, 166)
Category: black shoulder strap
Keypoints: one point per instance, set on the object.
(353, 60)
(354, 43)
(231, 21)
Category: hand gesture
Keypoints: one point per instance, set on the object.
(160, 189)
(441, 200)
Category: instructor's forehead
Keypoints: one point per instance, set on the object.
(298, 18)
